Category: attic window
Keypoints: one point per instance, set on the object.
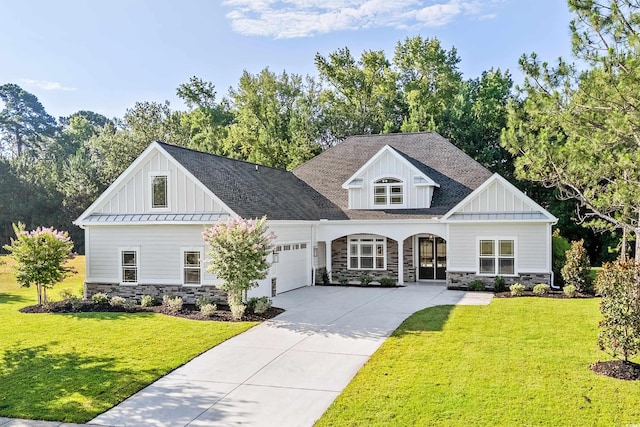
(159, 192)
(388, 192)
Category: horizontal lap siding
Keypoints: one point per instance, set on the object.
(532, 250)
(160, 250)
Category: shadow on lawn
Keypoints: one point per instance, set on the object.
(38, 383)
(106, 315)
(428, 320)
(10, 298)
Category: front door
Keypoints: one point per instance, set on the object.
(432, 258)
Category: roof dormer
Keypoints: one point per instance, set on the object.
(388, 180)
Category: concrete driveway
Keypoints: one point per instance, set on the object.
(286, 371)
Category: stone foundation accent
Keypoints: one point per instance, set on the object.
(461, 280)
(188, 293)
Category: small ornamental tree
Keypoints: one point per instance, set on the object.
(40, 257)
(619, 285)
(577, 268)
(238, 256)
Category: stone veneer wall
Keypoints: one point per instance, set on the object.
(339, 261)
(461, 280)
(318, 274)
(188, 293)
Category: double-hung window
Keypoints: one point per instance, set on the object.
(191, 266)
(129, 265)
(160, 191)
(388, 192)
(367, 253)
(497, 257)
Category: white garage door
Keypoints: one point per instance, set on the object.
(292, 270)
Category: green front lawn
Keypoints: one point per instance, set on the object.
(521, 361)
(72, 367)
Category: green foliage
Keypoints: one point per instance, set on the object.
(100, 298)
(237, 311)
(476, 285)
(343, 280)
(325, 278)
(541, 289)
(577, 269)
(117, 301)
(619, 285)
(173, 304)
(499, 284)
(517, 289)
(569, 290)
(75, 302)
(208, 309)
(148, 301)
(200, 301)
(259, 305)
(40, 257)
(559, 248)
(387, 282)
(365, 279)
(238, 250)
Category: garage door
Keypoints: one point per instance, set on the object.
(292, 270)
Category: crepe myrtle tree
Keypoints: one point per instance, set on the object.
(238, 255)
(40, 257)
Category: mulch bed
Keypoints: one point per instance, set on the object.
(551, 294)
(189, 311)
(619, 369)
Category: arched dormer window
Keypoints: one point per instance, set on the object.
(388, 192)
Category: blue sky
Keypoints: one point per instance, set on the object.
(104, 56)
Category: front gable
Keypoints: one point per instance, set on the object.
(388, 180)
(498, 200)
(130, 197)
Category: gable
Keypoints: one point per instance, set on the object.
(130, 194)
(498, 199)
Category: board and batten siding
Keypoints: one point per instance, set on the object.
(134, 195)
(389, 166)
(160, 252)
(532, 250)
(497, 198)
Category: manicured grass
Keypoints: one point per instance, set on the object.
(72, 367)
(521, 361)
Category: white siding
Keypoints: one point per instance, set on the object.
(160, 251)
(532, 251)
(389, 165)
(497, 198)
(134, 195)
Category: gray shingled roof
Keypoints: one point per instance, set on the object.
(457, 173)
(253, 192)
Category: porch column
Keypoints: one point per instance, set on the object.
(327, 254)
(400, 262)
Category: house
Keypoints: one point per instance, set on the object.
(411, 207)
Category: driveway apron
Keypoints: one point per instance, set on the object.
(285, 371)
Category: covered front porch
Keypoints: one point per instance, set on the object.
(382, 254)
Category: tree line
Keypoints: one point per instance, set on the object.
(52, 169)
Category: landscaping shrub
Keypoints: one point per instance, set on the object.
(208, 309)
(387, 282)
(619, 285)
(517, 289)
(325, 278)
(499, 285)
(100, 299)
(569, 291)
(148, 301)
(541, 289)
(200, 301)
(76, 302)
(476, 285)
(259, 305)
(117, 301)
(343, 280)
(171, 303)
(365, 279)
(129, 304)
(66, 294)
(237, 311)
(577, 269)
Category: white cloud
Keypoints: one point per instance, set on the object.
(45, 85)
(305, 18)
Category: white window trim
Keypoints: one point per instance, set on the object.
(135, 249)
(153, 175)
(389, 205)
(183, 266)
(496, 256)
(359, 237)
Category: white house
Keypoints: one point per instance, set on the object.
(411, 207)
